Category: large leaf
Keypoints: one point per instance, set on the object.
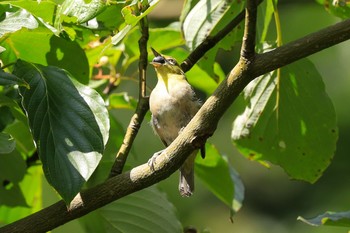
(69, 123)
(340, 219)
(289, 121)
(226, 183)
(14, 21)
(147, 210)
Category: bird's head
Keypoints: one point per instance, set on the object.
(165, 64)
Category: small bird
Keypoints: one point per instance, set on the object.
(173, 103)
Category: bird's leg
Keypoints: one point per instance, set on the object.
(152, 161)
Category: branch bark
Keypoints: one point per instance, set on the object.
(198, 130)
(141, 108)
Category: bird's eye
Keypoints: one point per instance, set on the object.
(172, 61)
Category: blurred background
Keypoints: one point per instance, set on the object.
(272, 201)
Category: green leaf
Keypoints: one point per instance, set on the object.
(13, 169)
(339, 8)
(14, 21)
(121, 34)
(49, 50)
(339, 219)
(207, 18)
(267, 12)
(121, 100)
(166, 38)
(69, 123)
(226, 184)
(79, 10)
(31, 187)
(147, 210)
(19, 130)
(289, 121)
(43, 9)
(7, 143)
(132, 16)
(10, 79)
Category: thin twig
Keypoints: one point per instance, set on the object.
(142, 105)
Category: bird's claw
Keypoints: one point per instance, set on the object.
(152, 161)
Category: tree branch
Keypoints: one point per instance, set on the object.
(249, 37)
(211, 41)
(302, 47)
(198, 130)
(142, 104)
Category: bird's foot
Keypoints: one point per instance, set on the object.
(152, 161)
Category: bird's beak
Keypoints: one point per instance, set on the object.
(155, 53)
(158, 59)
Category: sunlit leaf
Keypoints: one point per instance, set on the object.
(80, 11)
(14, 21)
(122, 100)
(289, 121)
(47, 49)
(166, 37)
(132, 17)
(45, 9)
(339, 219)
(69, 123)
(147, 210)
(226, 183)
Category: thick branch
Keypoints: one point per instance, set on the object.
(201, 127)
(301, 48)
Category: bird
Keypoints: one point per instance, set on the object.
(173, 103)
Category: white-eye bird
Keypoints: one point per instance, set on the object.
(173, 103)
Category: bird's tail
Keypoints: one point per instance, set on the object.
(186, 184)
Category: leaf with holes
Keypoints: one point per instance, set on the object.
(289, 121)
(69, 123)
